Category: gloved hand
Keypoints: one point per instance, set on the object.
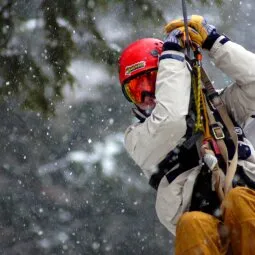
(198, 23)
(178, 37)
(175, 39)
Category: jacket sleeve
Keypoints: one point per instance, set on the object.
(238, 64)
(150, 141)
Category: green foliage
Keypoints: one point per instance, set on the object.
(59, 44)
(23, 74)
(24, 77)
(34, 64)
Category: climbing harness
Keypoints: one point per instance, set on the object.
(207, 100)
(210, 142)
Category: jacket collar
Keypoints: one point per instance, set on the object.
(140, 114)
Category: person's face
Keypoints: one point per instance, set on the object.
(148, 103)
(141, 90)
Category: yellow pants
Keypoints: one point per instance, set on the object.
(202, 234)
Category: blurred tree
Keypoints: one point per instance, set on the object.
(50, 202)
(35, 60)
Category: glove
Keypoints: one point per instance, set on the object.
(199, 24)
(175, 39)
(178, 37)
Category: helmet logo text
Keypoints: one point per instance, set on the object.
(134, 67)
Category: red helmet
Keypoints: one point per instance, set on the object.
(140, 56)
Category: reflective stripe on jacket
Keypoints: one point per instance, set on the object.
(149, 142)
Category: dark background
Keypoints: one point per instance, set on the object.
(67, 186)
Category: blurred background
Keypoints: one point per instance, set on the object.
(67, 185)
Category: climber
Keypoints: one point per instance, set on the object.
(205, 195)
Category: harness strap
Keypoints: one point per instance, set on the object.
(221, 108)
(219, 146)
(218, 134)
(231, 168)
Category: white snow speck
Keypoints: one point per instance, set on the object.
(95, 245)
(40, 233)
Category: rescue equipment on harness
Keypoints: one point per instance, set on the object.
(213, 142)
(210, 137)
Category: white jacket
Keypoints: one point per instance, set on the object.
(149, 142)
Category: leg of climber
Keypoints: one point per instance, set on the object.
(239, 217)
(197, 234)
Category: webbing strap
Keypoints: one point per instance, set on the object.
(231, 169)
(221, 108)
(220, 142)
(223, 150)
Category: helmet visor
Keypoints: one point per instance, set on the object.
(137, 88)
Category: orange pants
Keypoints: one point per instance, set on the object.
(201, 234)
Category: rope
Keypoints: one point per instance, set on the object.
(203, 124)
(207, 134)
(198, 99)
(185, 19)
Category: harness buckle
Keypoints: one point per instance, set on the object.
(217, 131)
